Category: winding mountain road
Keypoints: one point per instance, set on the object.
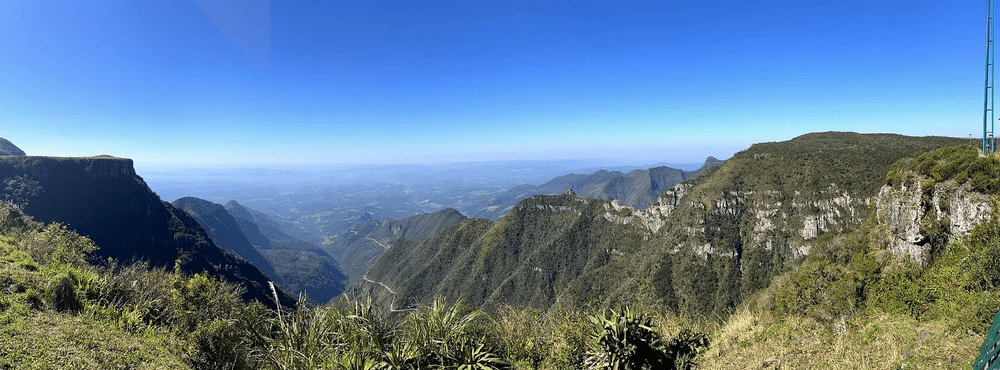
(386, 247)
(365, 278)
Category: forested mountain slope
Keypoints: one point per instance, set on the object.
(299, 266)
(296, 270)
(224, 231)
(702, 248)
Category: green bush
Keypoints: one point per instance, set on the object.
(61, 293)
(32, 299)
(960, 163)
(819, 289)
(58, 245)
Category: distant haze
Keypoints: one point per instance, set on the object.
(220, 184)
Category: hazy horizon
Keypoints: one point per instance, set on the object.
(231, 84)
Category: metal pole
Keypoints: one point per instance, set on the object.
(987, 145)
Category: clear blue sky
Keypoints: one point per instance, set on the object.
(232, 83)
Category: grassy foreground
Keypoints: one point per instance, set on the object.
(60, 310)
(849, 305)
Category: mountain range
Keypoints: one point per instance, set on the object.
(638, 188)
(703, 247)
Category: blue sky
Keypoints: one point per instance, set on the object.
(212, 82)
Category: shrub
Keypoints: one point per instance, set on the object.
(628, 341)
(31, 298)
(13, 221)
(57, 244)
(310, 337)
(438, 331)
(137, 288)
(61, 293)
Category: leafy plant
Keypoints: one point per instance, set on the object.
(629, 341)
(470, 357)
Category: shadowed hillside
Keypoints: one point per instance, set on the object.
(299, 266)
(8, 148)
(224, 231)
(103, 199)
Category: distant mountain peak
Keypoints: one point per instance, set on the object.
(8, 148)
(711, 162)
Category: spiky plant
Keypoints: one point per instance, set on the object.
(399, 355)
(470, 357)
(367, 328)
(628, 341)
(438, 330)
(685, 347)
(625, 341)
(306, 337)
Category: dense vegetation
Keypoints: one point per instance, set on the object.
(549, 249)
(58, 310)
(714, 250)
(848, 303)
(887, 309)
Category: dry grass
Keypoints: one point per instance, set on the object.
(757, 340)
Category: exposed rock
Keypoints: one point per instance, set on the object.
(8, 148)
(952, 211)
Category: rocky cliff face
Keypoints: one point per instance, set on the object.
(919, 220)
(8, 148)
(103, 198)
(704, 245)
(727, 233)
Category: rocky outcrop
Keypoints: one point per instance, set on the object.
(8, 148)
(730, 231)
(919, 219)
